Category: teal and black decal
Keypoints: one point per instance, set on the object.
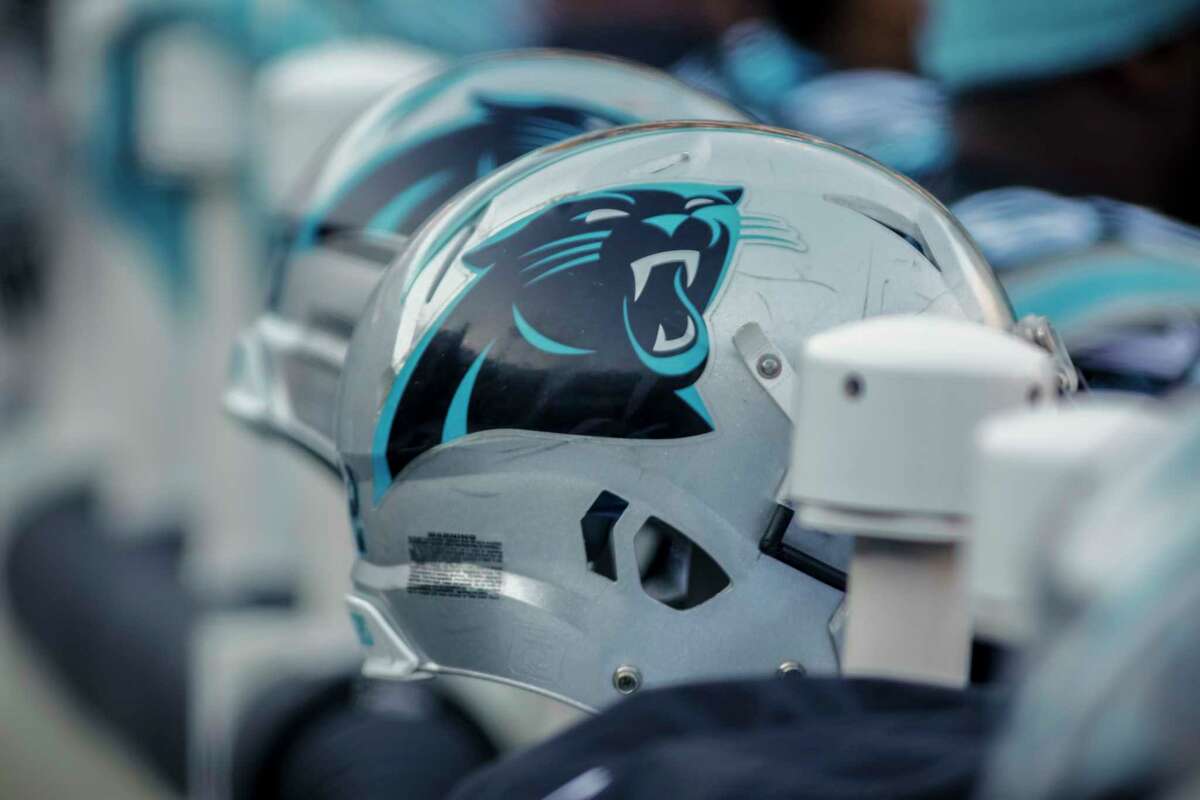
(584, 318)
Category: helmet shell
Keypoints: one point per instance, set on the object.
(564, 464)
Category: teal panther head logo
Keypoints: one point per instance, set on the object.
(584, 318)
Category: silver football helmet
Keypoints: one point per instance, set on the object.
(395, 165)
(560, 419)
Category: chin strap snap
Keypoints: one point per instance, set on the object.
(767, 365)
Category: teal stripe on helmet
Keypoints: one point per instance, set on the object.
(456, 418)
(1077, 291)
(543, 342)
(400, 207)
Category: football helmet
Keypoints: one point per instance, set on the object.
(561, 420)
(1121, 283)
(403, 158)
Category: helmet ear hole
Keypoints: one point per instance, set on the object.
(597, 525)
(673, 569)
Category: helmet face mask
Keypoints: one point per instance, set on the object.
(283, 375)
(564, 465)
(395, 166)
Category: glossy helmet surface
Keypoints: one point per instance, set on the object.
(408, 154)
(559, 425)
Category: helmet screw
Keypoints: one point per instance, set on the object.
(791, 669)
(627, 679)
(769, 366)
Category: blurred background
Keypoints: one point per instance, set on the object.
(163, 571)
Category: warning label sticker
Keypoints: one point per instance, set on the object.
(455, 565)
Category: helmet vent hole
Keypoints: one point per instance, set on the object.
(597, 525)
(673, 569)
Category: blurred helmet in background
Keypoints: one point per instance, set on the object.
(898, 119)
(563, 418)
(305, 99)
(399, 162)
(1121, 283)
(754, 64)
(1109, 708)
(156, 91)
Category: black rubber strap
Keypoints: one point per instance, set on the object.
(772, 544)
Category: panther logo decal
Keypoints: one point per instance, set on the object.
(433, 169)
(584, 318)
